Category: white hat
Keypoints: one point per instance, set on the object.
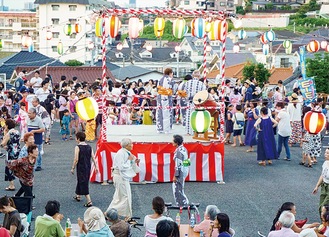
(94, 219)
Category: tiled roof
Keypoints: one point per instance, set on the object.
(234, 71)
(84, 73)
(109, 65)
(131, 71)
(25, 58)
(84, 2)
(280, 74)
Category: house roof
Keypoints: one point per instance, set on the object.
(286, 34)
(278, 49)
(109, 65)
(131, 72)
(25, 58)
(84, 73)
(83, 2)
(238, 58)
(280, 74)
(234, 71)
(191, 40)
(320, 35)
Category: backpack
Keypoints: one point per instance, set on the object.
(240, 123)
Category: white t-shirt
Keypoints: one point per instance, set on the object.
(284, 127)
(325, 174)
(295, 113)
(116, 92)
(150, 224)
(41, 94)
(239, 117)
(37, 82)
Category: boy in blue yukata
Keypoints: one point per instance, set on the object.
(65, 131)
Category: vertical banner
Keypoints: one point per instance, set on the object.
(308, 90)
(302, 61)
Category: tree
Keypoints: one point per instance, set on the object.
(73, 63)
(256, 70)
(318, 68)
(240, 10)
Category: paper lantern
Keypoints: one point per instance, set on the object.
(26, 40)
(242, 34)
(314, 122)
(133, 27)
(208, 26)
(68, 29)
(289, 50)
(60, 48)
(286, 44)
(200, 121)
(77, 28)
(159, 24)
(236, 48)
(323, 44)
(220, 28)
(263, 39)
(31, 48)
(114, 26)
(99, 27)
(270, 35)
(327, 48)
(159, 33)
(179, 28)
(199, 27)
(49, 35)
(0, 43)
(87, 108)
(211, 34)
(141, 28)
(313, 46)
(266, 49)
(91, 45)
(193, 27)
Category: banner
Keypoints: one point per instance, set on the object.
(302, 61)
(308, 90)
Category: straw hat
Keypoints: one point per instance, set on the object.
(94, 219)
(247, 81)
(293, 97)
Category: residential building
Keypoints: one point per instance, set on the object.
(135, 73)
(132, 3)
(265, 20)
(13, 25)
(55, 15)
(29, 5)
(207, 4)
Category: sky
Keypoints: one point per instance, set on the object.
(19, 4)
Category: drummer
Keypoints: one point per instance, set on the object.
(192, 87)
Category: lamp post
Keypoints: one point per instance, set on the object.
(119, 48)
(177, 49)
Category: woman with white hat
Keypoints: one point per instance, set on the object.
(294, 110)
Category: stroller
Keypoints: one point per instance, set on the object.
(24, 207)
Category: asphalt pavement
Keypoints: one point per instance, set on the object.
(250, 196)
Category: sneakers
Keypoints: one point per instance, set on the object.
(38, 168)
(64, 139)
(2, 155)
(287, 159)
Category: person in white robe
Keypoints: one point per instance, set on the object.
(125, 167)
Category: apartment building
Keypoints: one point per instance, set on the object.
(13, 25)
(207, 5)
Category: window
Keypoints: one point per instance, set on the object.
(73, 7)
(73, 36)
(222, 4)
(54, 48)
(73, 49)
(55, 35)
(186, 2)
(72, 21)
(55, 21)
(285, 62)
(55, 7)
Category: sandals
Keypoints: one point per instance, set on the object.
(47, 143)
(89, 204)
(302, 163)
(249, 150)
(269, 162)
(76, 198)
(262, 163)
(10, 189)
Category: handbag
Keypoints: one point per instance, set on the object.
(239, 122)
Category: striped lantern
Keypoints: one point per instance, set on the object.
(270, 35)
(68, 29)
(209, 26)
(31, 48)
(186, 30)
(60, 48)
(220, 29)
(87, 108)
(200, 121)
(159, 25)
(289, 50)
(49, 35)
(266, 49)
(314, 122)
(211, 34)
(0, 43)
(313, 46)
(141, 28)
(193, 27)
(77, 28)
(327, 48)
(99, 27)
(242, 34)
(178, 28)
(26, 40)
(199, 27)
(323, 44)
(133, 27)
(263, 39)
(286, 44)
(114, 26)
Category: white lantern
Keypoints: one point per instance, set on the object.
(91, 45)
(133, 27)
(266, 49)
(149, 47)
(26, 40)
(119, 46)
(49, 35)
(323, 44)
(236, 48)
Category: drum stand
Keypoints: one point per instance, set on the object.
(206, 136)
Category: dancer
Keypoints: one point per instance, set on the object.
(83, 155)
(164, 116)
(125, 167)
(181, 171)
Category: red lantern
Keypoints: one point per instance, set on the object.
(263, 39)
(220, 28)
(314, 122)
(313, 46)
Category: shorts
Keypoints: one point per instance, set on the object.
(98, 119)
(237, 132)
(75, 116)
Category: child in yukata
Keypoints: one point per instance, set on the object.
(65, 131)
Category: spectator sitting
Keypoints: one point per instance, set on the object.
(167, 228)
(119, 228)
(222, 223)
(209, 216)
(49, 223)
(287, 219)
(307, 233)
(151, 221)
(4, 232)
(12, 220)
